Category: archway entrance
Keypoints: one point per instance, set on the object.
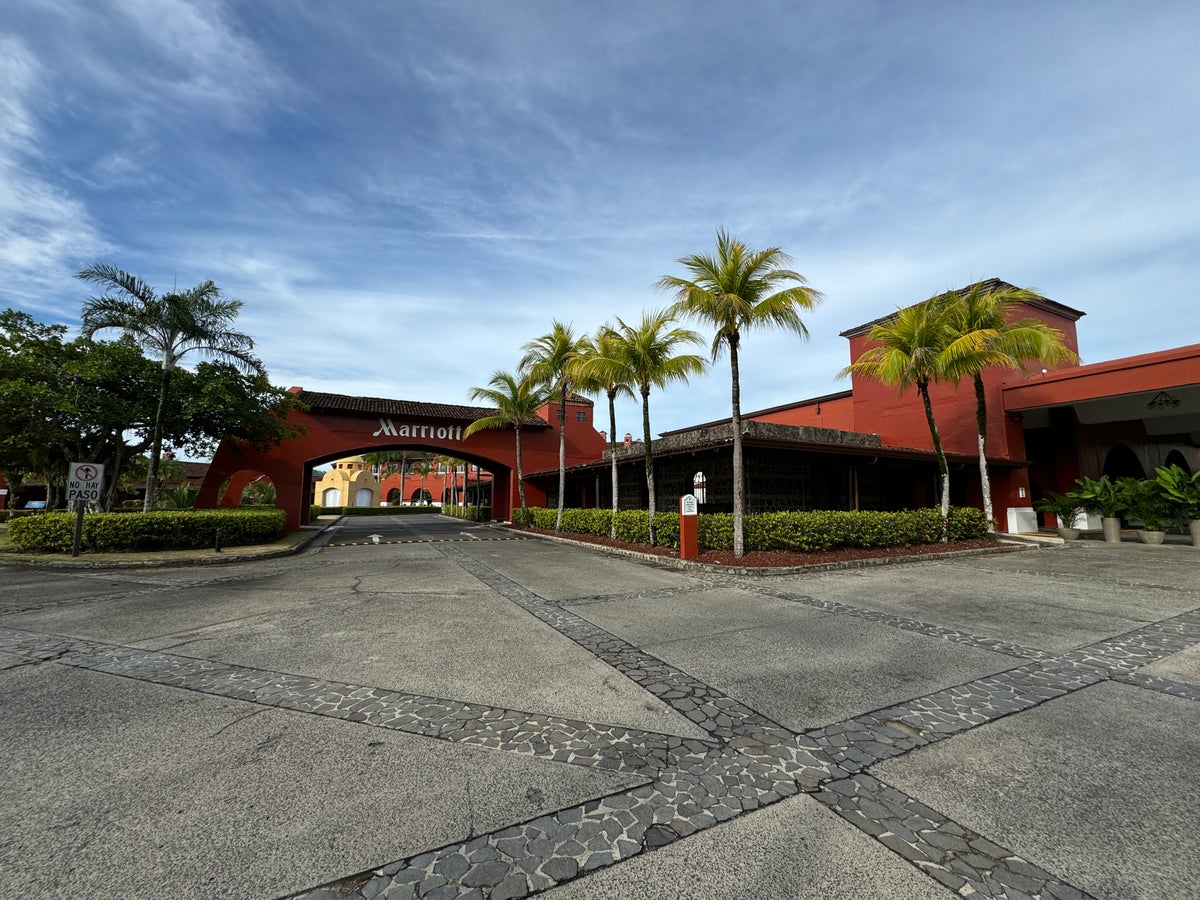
(336, 426)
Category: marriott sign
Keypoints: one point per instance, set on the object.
(436, 432)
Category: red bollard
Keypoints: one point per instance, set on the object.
(688, 533)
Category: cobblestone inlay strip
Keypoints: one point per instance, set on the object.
(723, 717)
(961, 859)
(518, 860)
(648, 594)
(904, 623)
(1184, 689)
(611, 747)
(859, 742)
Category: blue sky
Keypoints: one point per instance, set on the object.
(403, 193)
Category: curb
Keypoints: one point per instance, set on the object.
(217, 559)
(669, 562)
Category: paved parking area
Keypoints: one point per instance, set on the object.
(442, 711)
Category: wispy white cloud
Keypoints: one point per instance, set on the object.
(406, 193)
(43, 227)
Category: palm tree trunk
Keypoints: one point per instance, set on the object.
(943, 467)
(612, 455)
(520, 471)
(156, 440)
(562, 459)
(649, 459)
(739, 479)
(403, 466)
(985, 482)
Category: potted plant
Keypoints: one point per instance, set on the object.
(1102, 497)
(1182, 492)
(1066, 508)
(1146, 502)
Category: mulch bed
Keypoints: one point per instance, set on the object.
(765, 559)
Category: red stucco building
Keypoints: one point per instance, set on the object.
(869, 448)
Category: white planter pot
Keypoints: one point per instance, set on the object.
(1194, 528)
(1151, 537)
(1068, 534)
(1112, 529)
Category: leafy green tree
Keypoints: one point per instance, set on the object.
(550, 359)
(983, 337)
(169, 326)
(738, 290)
(64, 401)
(517, 401)
(648, 352)
(601, 370)
(907, 350)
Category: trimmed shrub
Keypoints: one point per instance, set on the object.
(158, 530)
(803, 532)
(375, 510)
(469, 513)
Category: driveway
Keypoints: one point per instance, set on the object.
(421, 707)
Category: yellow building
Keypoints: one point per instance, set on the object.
(349, 482)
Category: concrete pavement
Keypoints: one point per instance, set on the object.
(447, 713)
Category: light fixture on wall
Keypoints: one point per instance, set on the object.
(818, 409)
(1163, 400)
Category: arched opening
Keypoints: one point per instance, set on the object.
(1121, 462)
(364, 497)
(1175, 458)
(259, 491)
(394, 497)
(331, 497)
(248, 487)
(421, 497)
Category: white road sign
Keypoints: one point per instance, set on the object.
(84, 481)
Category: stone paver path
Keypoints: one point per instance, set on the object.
(684, 785)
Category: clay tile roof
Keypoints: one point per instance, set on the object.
(372, 407)
(987, 285)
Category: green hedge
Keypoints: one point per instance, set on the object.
(372, 510)
(158, 530)
(792, 531)
(470, 513)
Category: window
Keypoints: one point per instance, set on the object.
(581, 416)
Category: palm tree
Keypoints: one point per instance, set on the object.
(170, 325)
(740, 290)
(647, 352)
(908, 350)
(550, 360)
(984, 338)
(516, 400)
(601, 370)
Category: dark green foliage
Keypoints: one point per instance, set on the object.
(802, 532)
(470, 513)
(373, 510)
(158, 530)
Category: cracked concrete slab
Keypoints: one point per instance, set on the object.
(542, 567)
(1052, 612)
(1101, 787)
(849, 666)
(116, 788)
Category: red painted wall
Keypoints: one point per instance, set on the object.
(837, 413)
(899, 420)
(328, 437)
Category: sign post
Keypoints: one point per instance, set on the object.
(84, 482)
(689, 547)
